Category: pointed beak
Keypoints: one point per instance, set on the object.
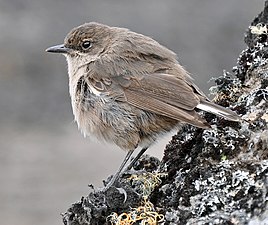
(58, 49)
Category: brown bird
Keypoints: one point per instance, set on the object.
(128, 89)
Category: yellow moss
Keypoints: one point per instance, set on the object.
(147, 182)
(144, 215)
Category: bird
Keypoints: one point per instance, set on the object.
(129, 90)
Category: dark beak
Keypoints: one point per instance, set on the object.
(58, 49)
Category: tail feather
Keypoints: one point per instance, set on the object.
(218, 110)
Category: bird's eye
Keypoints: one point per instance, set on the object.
(86, 44)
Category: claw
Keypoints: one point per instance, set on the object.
(123, 191)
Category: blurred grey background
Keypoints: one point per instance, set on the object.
(45, 163)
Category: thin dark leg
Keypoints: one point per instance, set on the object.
(136, 158)
(118, 173)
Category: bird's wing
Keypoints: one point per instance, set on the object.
(159, 107)
(166, 95)
(162, 94)
(166, 88)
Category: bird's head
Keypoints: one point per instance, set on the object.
(84, 44)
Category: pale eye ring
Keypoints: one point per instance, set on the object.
(86, 44)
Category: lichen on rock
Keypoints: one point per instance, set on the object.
(219, 176)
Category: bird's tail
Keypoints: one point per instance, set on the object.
(218, 110)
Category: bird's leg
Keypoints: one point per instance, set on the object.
(118, 173)
(127, 157)
(136, 158)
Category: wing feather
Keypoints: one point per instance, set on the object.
(153, 105)
(168, 89)
(162, 94)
